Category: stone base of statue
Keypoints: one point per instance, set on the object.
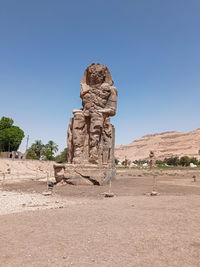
(87, 174)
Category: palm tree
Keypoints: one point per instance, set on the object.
(37, 147)
(49, 149)
(52, 147)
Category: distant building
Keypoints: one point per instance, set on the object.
(12, 155)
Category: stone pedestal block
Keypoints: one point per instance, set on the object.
(87, 174)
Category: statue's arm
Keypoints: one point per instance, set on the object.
(111, 105)
(84, 89)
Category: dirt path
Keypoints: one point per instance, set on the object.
(123, 231)
(131, 229)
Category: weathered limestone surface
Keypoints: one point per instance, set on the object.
(90, 135)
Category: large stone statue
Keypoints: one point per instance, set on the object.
(90, 135)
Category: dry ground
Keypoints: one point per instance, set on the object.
(77, 226)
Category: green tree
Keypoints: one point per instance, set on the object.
(159, 162)
(185, 161)
(172, 161)
(10, 135)
(194, 160)
(62, 157)
(49, 150)
(37, 147)
(5, 123)
(31, 154)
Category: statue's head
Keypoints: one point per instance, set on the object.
(151, 153)
(96, 74)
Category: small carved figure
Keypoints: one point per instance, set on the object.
(151, 157)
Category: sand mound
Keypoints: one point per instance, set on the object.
(26, 169)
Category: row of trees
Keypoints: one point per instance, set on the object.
(172, 161)
(40, 151)
(175, 161)
(11, 137)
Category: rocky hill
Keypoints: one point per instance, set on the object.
(164, 145)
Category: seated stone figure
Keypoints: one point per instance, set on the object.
(90, 135)
(87, 138)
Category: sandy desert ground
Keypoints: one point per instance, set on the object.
(77, 226)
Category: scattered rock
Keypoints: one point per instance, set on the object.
(47, 193)
(154, 193)
(108, 194)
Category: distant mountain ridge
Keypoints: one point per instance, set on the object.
(164, 145)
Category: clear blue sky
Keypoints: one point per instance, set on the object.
(152, 48)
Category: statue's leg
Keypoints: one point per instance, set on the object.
(96, 126)
(78, 135)
(69, 141)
